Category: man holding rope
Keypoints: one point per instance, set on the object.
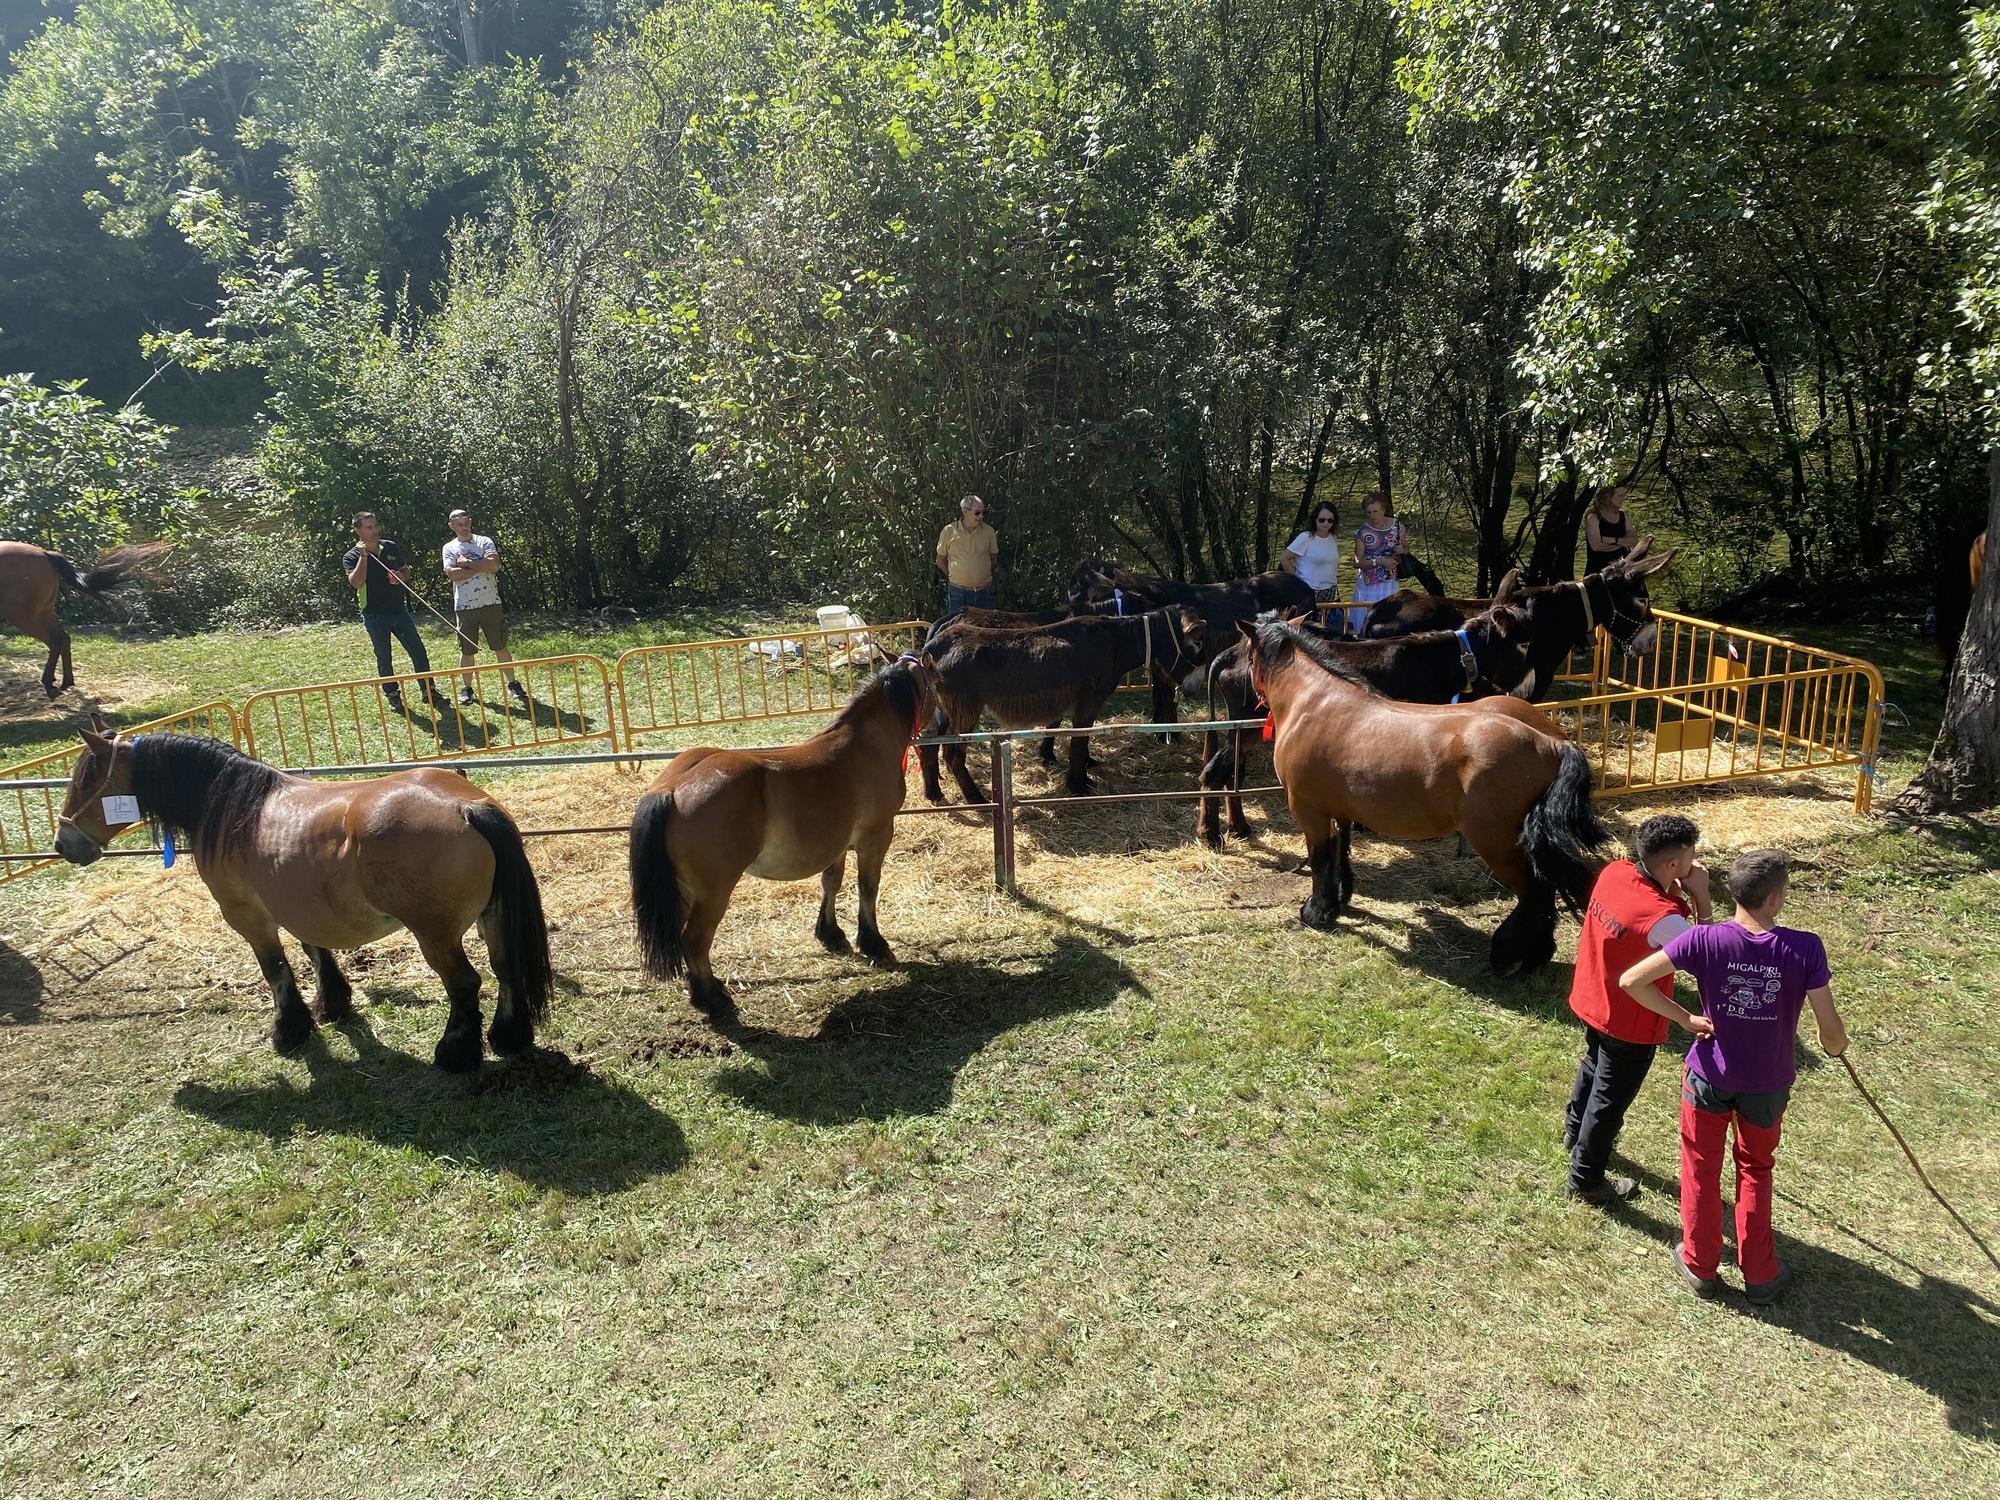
(376, 569)
(1754, 977)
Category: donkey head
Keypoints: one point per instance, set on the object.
(1631, 621)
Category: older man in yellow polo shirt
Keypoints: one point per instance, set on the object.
(967, 551)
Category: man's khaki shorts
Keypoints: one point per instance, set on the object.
(488, 619)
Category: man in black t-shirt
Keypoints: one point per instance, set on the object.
(377, 571)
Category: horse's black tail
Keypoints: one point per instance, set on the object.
(521, 962)
(656, 891)
(111, 568)
(1561, 831)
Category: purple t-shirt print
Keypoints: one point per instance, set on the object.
(1753, 985)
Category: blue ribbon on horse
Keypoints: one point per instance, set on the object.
(1118, 603)
(1468, 663)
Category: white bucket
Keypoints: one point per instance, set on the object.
(834, 617)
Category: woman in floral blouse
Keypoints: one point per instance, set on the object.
(1378, 546)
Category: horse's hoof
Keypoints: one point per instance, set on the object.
(1211, 838)
(332, 1009)
(291, 1031)
(458, 1052)
(934, 796)
(832, 938)
(716, 1003)
(511, 1034)
(1316, 916)
(877, 951)
(1077, 788)
(1240, 829)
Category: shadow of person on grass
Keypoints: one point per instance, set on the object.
(22, 989)
(541, 1116)
(897, 1049)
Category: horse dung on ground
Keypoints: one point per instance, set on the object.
(30, 579)
(1518, 795)
(714, 816)
(337, 864)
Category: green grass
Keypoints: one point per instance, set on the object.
(1132, 1186)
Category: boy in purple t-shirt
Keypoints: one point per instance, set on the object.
(1754, 977)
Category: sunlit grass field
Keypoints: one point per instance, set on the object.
(1130, 1185)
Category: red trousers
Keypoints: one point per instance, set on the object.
(1702, 1136)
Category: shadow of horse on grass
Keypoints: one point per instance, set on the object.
(542, 1116)
(897, 1049)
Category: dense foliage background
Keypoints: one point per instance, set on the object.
(719, 295)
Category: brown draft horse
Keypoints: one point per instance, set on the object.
(31, 577)
(337, 864)
(1519, 796)
(714, 816)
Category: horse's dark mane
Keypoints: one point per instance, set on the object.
(1316, 647)
(204, 790)
(894, 683)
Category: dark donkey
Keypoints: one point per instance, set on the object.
(1562, 617)
(1098, 586)
(1030, 676)
(1490, 654)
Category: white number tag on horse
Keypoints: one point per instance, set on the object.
(121, 809)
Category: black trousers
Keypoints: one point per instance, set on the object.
(1607, 1081)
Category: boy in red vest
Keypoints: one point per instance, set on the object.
(1755, 977)
(1637, 906)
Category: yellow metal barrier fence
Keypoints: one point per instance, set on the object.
(416, 717)
(28, 814)
(1712, 703)
(689, 684)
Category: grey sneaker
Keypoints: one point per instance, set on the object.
(1701, 1286)
(518, 693)
(1605, 1193)
(1764, 1293)
(465, 696)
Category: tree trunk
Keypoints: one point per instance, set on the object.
(1554, 557)
(1965, 761)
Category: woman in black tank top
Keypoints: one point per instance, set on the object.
(1605, 531)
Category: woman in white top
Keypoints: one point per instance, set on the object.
(1314, 555)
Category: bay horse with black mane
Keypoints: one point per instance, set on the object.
(714, 816)
(1491, 654)
(337, 864)
(1030, 676)
(30, 579)
(1346, 755)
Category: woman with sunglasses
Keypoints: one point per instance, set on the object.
(1313, 556)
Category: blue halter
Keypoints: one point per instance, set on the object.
(1468, 663)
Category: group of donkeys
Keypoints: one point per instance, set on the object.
(1036, 669)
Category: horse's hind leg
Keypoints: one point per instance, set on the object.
(828, 930)
(1238, 824)
(1526, 937)
(460, 1049)
(1208, 821)
(1346, 873)
(869, 853)
(58, 653)
(335, 998)
(708, 994)
(513, 1029)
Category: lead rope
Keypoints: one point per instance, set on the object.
(1917, 1166)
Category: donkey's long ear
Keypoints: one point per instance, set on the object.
(1508, 586)
(1653, 565)
(102, 725)
(1639, 552)
(1247, 629)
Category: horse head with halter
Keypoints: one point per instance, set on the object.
(100, 804)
